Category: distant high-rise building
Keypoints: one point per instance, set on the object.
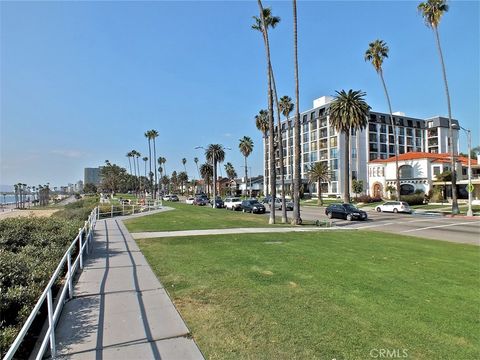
(79, 186)
(92, 176)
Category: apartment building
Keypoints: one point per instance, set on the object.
(320, 142)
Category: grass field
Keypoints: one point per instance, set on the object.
(323, 295)
(190, 217)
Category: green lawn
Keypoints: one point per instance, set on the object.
(323, 295)
(190, 217)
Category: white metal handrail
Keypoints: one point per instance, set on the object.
(84, 238)
(115, 210)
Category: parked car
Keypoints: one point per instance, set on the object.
(233, 203)
(288, 204)
(174, 198)
(200, 200)
(190, 200)
(218, 202)
(166, 198)
(252, 206)
(345, 211)
(394, 206)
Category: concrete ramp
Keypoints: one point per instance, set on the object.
(120, 309)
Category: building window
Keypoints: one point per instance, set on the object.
(334, 186)
(334, 164)
(436, 170)
(372, 127)
(373, 147)
(383, 138)
(407, 189)
(373, 137)
(354, 153)
(405, 172)
(333, 153)
(333, 141)
(383, 128)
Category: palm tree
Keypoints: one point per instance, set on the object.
(297, 176)
(184, 161)
(183, 178)
(261, 121)
(215, 154)
(165, 182)
(286, 107)
(378, 51)
(318, 173)
(145, 159)
(206, 171)
(262, 25)
(348, 111)
(153, 134)
(432, 12)
(195, 160)
(231, 173)
(148, 135)
(161, 161)
(246, 148)
(129, 156)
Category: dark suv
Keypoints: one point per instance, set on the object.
(252, 206)
(345, 211)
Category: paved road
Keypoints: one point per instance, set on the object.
(459, 229)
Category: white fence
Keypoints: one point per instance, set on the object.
(127, 209)
(83, 242)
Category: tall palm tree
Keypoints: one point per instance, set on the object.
(148, 135)
(137, 156)
(129, 156)
(263, 25)
(215, 154)
(153, 135)
(206, 171)
(261, 121)
(377, 52)
(285, 106)
(195, 160)
(246, 147)
(319, 173)
(145, 159)
(348, 111)
(184, 161)
(161, 161)
(297, 175)
(432, 12)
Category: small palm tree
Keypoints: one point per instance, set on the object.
(145, 159)
(246, 147)
(195, 160)
(183, 178)
(129, 156)
(261, 121)
(319, 173)
(231, 173)
(184, 162)
(376, 53)
(348, 111)
(215, 154)
(206, 171)
(148, 135)
(432, 12)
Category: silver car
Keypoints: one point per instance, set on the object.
(395, 207)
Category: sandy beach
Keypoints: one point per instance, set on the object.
(9, 211)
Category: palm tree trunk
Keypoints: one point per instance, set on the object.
(297, 177)
(246, 176)
(455, 209)
(155, 168)
(149, 165)
(319, 193)
(280, 148)
(130, 165)
(272, 174)
(346, 184)
(395, 134)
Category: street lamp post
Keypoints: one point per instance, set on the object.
(469, 187)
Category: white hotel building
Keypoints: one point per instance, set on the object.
(320, 142)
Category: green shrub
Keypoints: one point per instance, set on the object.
(368, 199)
(30, 250)
(415, 199)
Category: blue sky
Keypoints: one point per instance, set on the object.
(82, 81)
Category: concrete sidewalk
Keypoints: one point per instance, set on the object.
(120, 309)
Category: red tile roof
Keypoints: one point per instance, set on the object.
(443, 158)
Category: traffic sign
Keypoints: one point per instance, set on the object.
(470, 187)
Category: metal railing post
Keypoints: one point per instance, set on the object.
(111, 215)
(50, 323)
(123, 209)
(80, 235)
(87, 228)
(70, 275)
(98, 213)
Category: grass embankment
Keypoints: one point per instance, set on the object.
(322, 295)
(190, 217)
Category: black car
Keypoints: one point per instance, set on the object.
(345, 211)
(252, 206)
(218, 203)
(200, 200)
(174, 198)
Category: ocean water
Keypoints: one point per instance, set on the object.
(10, 199)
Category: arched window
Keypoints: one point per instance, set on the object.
(407, 189)
(406, 172)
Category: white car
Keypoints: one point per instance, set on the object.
(394, 206)
(166, 197)
(190, 200)
(233, 203)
